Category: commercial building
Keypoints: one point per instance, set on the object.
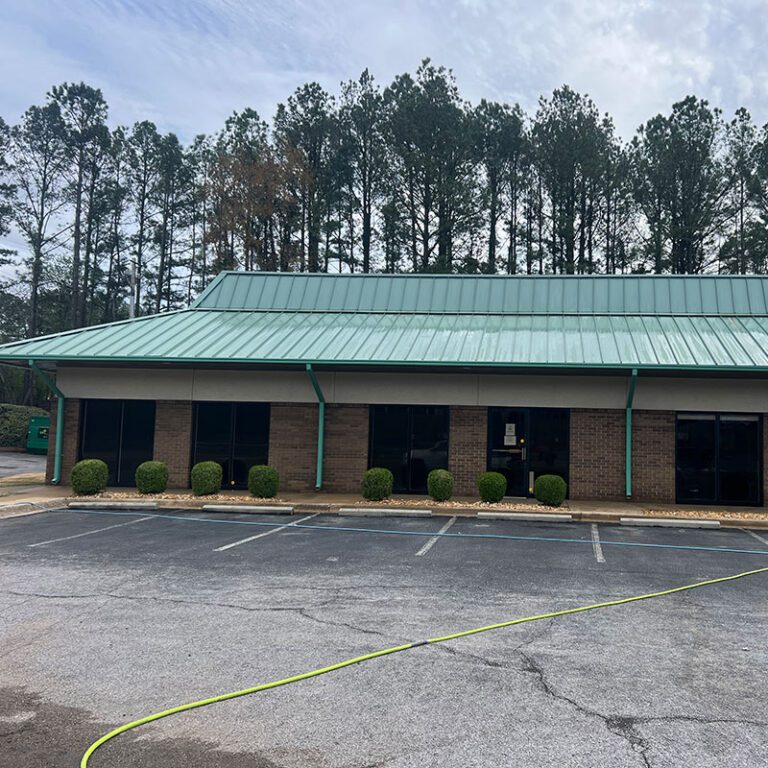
(647, 387)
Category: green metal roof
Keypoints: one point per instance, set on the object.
(484, 294)
(195, 336)
(687, 323)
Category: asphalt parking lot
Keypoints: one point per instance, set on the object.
(108, 617)
(17, 463)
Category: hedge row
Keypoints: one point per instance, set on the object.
(550, 490)
(14, 423)
(90, 476)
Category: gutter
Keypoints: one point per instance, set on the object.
(320, 426)
(628, 435)
(49, 382)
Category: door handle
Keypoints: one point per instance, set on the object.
(525, 453)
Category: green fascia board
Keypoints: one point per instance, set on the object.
(483, 341)
(744, 295)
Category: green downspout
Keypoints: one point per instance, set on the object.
(628, 451)
(320, 426)
(49, 382)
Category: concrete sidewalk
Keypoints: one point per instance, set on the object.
(23, 500)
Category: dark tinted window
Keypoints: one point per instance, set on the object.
(718, 458)
(236, 435)
(119, 432)
(697, 457)
(410, 441)
(739, 470)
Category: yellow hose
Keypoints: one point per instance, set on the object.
(395, 649)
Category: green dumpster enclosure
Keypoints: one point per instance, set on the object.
(37, 434)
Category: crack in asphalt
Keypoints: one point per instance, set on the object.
(302, 611)
(625, 726)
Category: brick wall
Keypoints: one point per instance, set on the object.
(71, 439)
(467, 447)
(597, 469)
(346, 447)
(293, 444)
(173, 439)
(597, 454)
(653, 456)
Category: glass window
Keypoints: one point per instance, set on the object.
(138, 438)
(739, 469)
(696, 473)
(719, 458)
(236, 435)
(390, 442)
(119, 432)
(410, 441)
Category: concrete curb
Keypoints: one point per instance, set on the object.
(112, 505)
(531, 517)
(248, 509)
(666, 522)
(383, 512)
(575, 516)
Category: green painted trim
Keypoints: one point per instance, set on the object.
(57, 451)
(628, 434)
(469, 365)
(320, 426)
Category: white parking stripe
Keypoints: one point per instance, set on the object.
(262, 535)
(431, 543)
(759, 538)
(596, 544)
(88, 533)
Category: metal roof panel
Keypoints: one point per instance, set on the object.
(483, 294)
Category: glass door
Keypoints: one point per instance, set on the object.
(508, 447)
(524, 443)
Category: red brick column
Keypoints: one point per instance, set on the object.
(467, 447)
(173, 439)
(293, 444)
(653, 456)
(346, 447)
(597, 451)
(70, 442)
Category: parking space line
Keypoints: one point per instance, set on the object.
(266, 533)
(596, 546)
(88, 533)
(431, 543)
(752, 533)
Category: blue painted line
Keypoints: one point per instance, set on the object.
(384, 532)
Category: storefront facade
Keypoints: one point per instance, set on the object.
(646, 388)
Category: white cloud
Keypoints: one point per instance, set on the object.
(187, 65)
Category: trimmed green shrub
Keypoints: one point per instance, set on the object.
(550, 490)
(377, 484)
(89, 476)
(151, 477)
(440, 484)
(492, 487)
(206, 478)
(14, 421)
(263, 481)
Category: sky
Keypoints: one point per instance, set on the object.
(188, 64)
